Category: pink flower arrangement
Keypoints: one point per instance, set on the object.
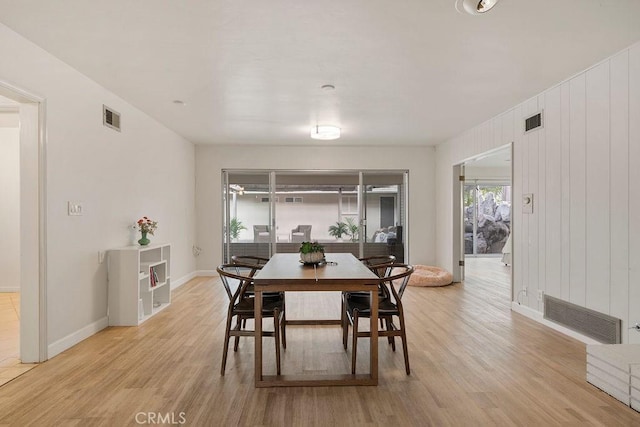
(147, 225)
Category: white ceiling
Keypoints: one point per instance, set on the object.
(408, 72)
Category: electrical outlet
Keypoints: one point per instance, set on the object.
(524, 291)
(540, 295)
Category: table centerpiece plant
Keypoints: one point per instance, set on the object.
(311, 252)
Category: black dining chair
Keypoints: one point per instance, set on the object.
(241, 306)
(358, 306)
(381, 266)
(253, 264)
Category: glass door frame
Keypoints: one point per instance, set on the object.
(403, 211)
(476, 183)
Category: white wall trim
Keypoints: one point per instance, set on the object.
(74, 338)
(537, 316)
(9, 289)
(206, 273)
(184, 279)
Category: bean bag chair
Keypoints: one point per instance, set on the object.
(425, 275)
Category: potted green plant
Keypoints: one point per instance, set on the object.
(338, 229)
(235, 227)
(311, 252)
(352, 229)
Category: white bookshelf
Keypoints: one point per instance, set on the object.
(135, 293)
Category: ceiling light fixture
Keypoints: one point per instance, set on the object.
(475, 7)
(328, 88)
(325, 132)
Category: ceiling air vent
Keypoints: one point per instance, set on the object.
(110, 118)
(533, 122)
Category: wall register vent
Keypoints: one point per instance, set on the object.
(601, 327)
(110, 118)
(533, 122)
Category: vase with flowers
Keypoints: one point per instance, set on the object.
(146, 226)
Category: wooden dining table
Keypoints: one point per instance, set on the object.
(341, 272)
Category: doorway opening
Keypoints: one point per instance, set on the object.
(485, 216)
(22, 222)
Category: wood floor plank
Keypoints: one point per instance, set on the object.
(474, 362)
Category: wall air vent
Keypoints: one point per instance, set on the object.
(599, 326)
(293, 199)
(533, 122)
(110, 118)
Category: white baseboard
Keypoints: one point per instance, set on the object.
(206, 273)
(198, 273)
(538, 317)
(9, 289)
(184, 279)
(74, 338)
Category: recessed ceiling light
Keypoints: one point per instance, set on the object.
(475, 7)
(325, 132)
(179, 102)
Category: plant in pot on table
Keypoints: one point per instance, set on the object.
(311, 252)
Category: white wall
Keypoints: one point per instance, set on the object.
(10, 205)
(210, 160)
(119, 176)
(582, 243)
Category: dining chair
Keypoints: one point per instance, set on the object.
(241, 306)
(253, 264)
(380, 265)
(358, 306)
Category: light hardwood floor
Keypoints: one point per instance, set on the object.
(10, 366)
(473, 362)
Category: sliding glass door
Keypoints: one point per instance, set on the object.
(363, 213)
(247, 214)
(384, 213)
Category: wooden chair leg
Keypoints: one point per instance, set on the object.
(403, 336)
(276, 334)
(392, 339)
(354, 346)
(283, 325)
(227, 332)
(345, 323)
(237, 328)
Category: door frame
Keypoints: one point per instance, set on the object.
(458, 216)
(33, 223)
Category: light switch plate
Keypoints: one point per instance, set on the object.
(75, 208)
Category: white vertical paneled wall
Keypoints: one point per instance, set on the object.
(582, 241)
